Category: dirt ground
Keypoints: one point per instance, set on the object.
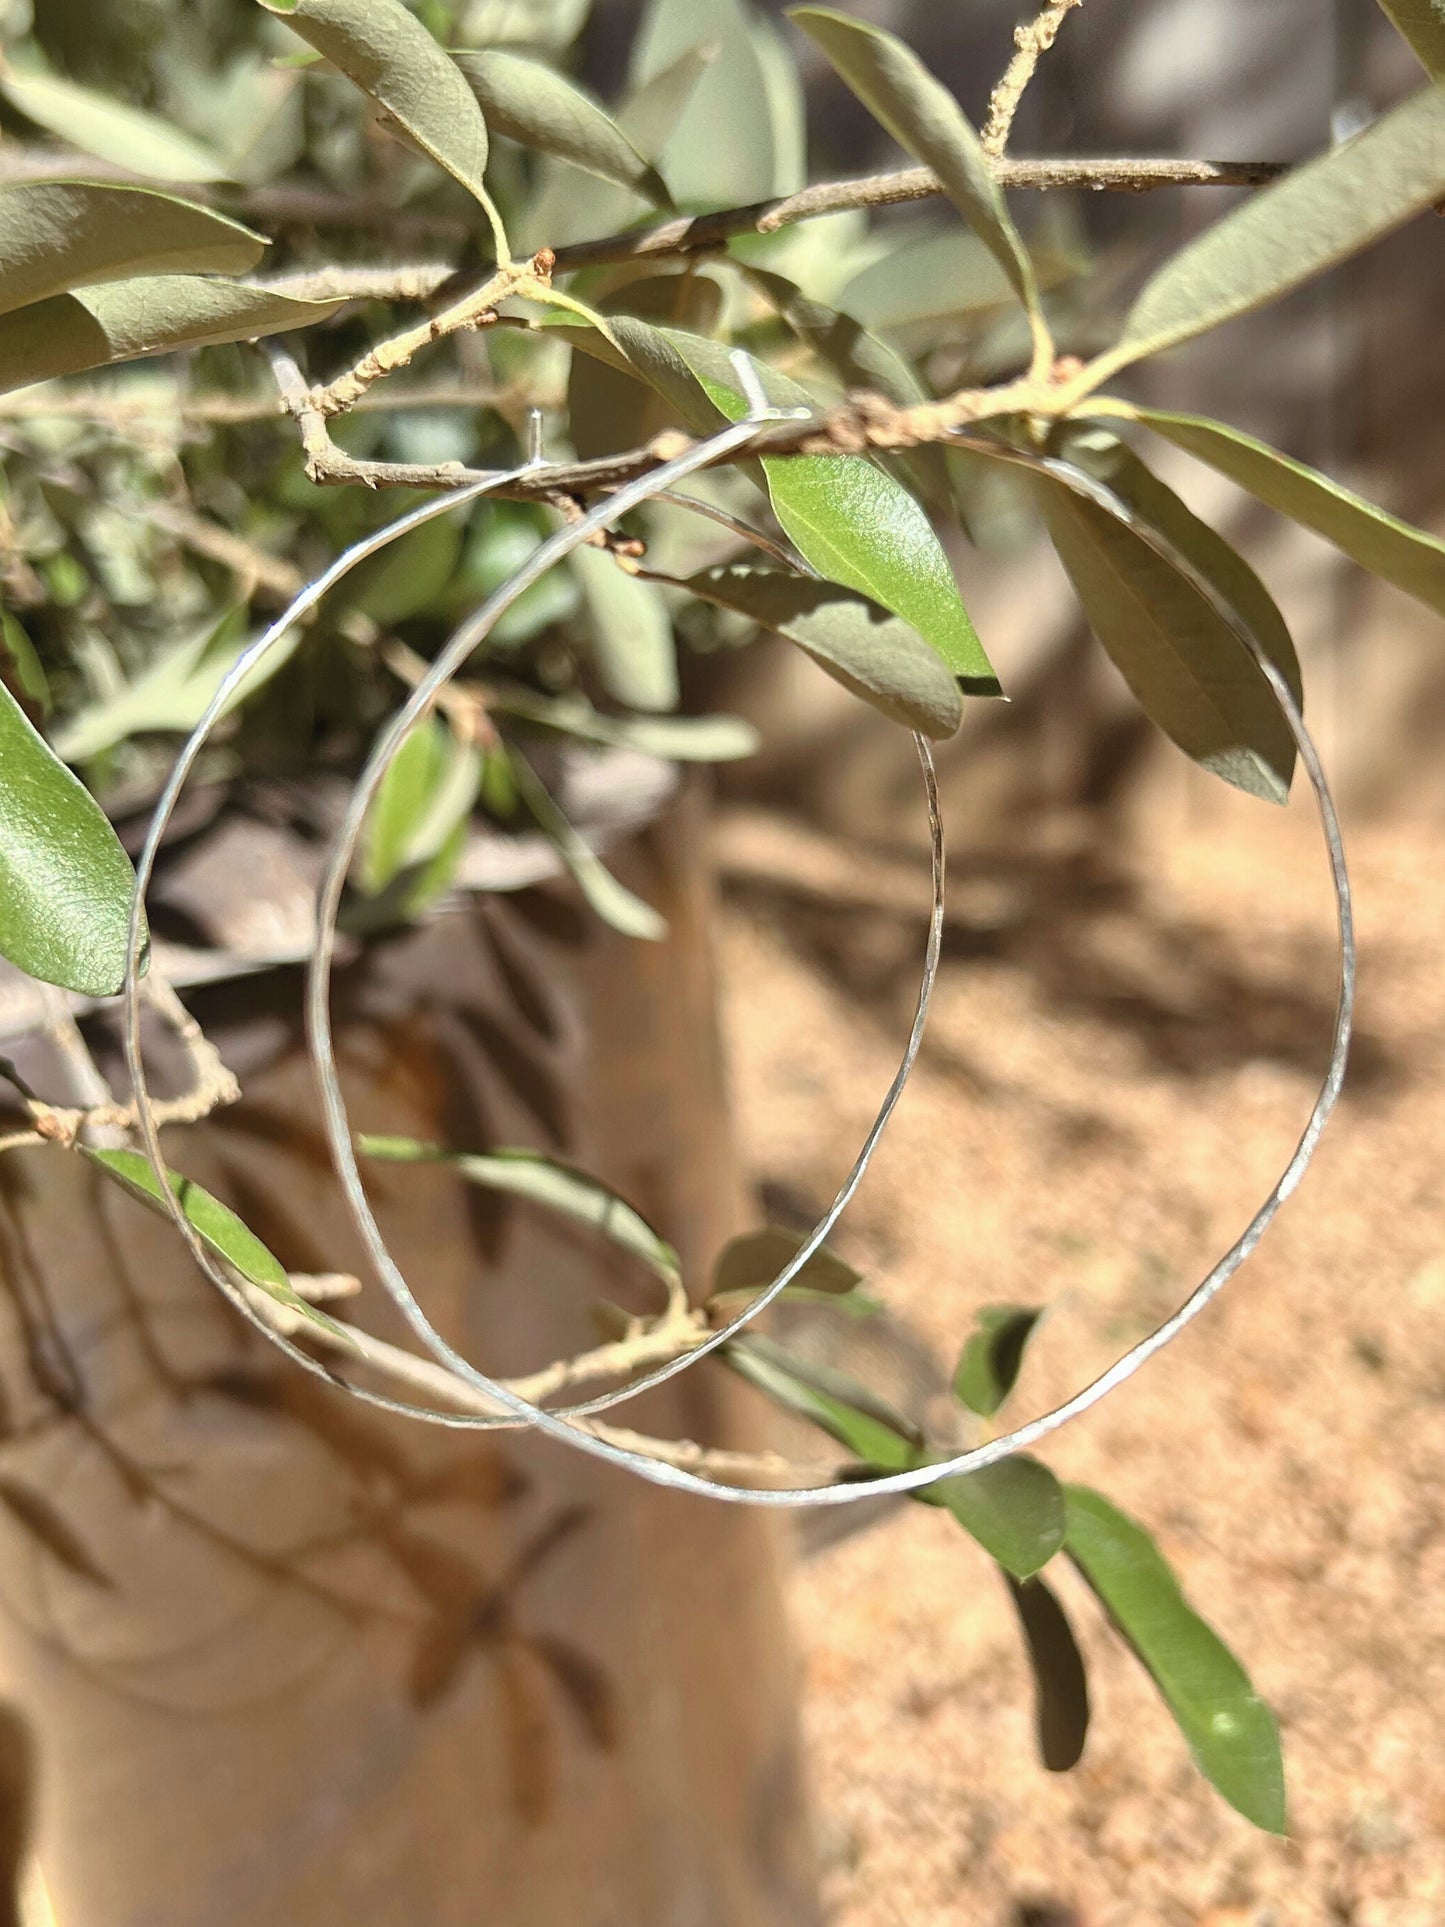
(1122, 1055)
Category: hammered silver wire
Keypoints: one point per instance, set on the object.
(556, 1423)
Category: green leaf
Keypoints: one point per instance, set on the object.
(109, 129)
(1422, 22)
(923, 117)
(93, 327)
(544, 1181)
(534, 104)
(20, 667)
(609, 899)
(1406, 556)
(993, 1356)
(1230, 1730)
(869, 651)
(1319, 215)
(65, 881)
(1061, 1687)
(216, 1225)
(1015, 1510)
(675, 739)
(630, 632)
(725, 149)
(57, 235)
(836, 1404)
(854, 523)
(1191, 674)
(928, 275)
(386, 52)
(410, 837)
(747, 1263)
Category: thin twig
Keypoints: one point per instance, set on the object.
(110, 409)
(1031, 43)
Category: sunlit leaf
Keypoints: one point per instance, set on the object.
(1015, 1510)
(869, 651)
(852, 522)
(927, 275)
(1230, 1731)
(1422, 22)
(386, 52)
(749, 1262)
(631, 632)
(543, 1181)
(65, 881)
(534, 104)
(1322, 213)
(57, 235)
(923, 117)
(993, 1356)
(1061, 1687)
(606, 897)
(215, 1224)
(110, 129)
(724, 147)
(93, 327)
(835, 1403)
(1191, 674)
(1406, 556)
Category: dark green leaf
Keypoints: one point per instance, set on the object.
(20, 667)
(1422, 22)
(923, 117)
(1230, 1730)
(65, 882)
(534, 104)
(1320, 214)
(748, 1263)
(1406, 556)
(544, 1181)
(868, 650)
(216, 1225)
(992, 1358)
(1190, 672)
(386, 52)
(845, 1410)
(1061, 1687)
(56, 235)
(606, 897)
(93, 327)
(1015, 1510)
(852, 522)
(110, 129)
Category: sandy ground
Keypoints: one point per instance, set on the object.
(1121, 1058)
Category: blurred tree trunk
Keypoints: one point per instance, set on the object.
(284, 1659)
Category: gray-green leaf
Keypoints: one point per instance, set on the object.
(534, 104)
(1015, 1510)
(93, 327)
(1406, 556)
(747, 1263)
(631, 631)
(386, 52)
(416, 827)
(1230, 1731)
(676, 739)
(835, 1403)
(1320, 214)
(609, 899)
(923, 117)
(862, 645)
(111, 130)
(216, 1225)
(1190, 672)
(543, 1181)
(56, 235)
(65, 881)
(993, 1356)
